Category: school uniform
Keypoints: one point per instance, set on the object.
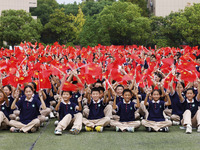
(68, 116)
(191, 115)
(29, 111)
(156, 118)
(4, 116)
(177, 107)
(127, 116)
(96, 115)
(115, 115)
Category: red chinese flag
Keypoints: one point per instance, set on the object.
(67, 86)
(44, 83)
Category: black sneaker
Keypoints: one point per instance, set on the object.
(149, 129)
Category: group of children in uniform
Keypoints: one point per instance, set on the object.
(125, 107)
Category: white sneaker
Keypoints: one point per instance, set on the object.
(17, 118)
(51, 115)
(175, 123)
(56, 122)
(58, 132)
(46, 119)
(130, 129)
(198, 129)
(188, 129)
(117, 129)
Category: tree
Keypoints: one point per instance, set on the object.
(44, 9)
(79, 21)
(188, 23)
(18, 25)
(142, 4)
(123, 23)
(70, 8)
(91, 8)
(61, 27)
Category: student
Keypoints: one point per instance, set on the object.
(126, 110)
(96, 118)
(156, 121)
(177, 107)
(68, 114)
(191, 115)
(4, 110)
(29, 107)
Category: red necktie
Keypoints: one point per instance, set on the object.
(27, 104)
(96, 106)
(126, 107)
(66, 108)
(155, 105)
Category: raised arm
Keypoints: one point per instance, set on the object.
(16, 96)
(42, 100)
(168, 102)
(114, 102)
(198, 95)
(135, 92)
(146, 98)
(58, 105)
(79, 107)
(180, 94)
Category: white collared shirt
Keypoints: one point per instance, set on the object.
(156, 101)
(190, 101)
(97, 101)
(126, 103)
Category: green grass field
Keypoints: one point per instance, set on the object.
(108, 140)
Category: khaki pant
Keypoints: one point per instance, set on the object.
(44, 113)
(24, 127)
(4, 122)
(124, 125)
(156, 125)
(188, 120)
(97, 122)
(143, 110)
(168, 112)
(75, 122)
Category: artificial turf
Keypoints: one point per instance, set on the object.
(108, 140)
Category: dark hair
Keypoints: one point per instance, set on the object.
(159, 75)
(101, 88)
(158, 90)
(98, 81)
(183, 84)
(95, 90)
(198, 57)
(28, 86)
(189, 90)
(9, 87)
(34, 85)
(119, 86)
(127, 90)
(153, 55)
(70, 92)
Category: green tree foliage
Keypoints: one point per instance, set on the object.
(124, 24)
(188, 23)
(61, 27)
(18, 25)
(142, 4)
(70, 8)
(44, 9)
(91, 8)
(79, 21)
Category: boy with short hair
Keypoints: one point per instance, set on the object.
(68, 114)
(96, 118)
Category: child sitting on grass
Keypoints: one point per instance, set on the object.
(156, 121)
(96, 118)
(126, 110)
(68, 114)
(191, 115)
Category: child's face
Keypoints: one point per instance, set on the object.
(156, 96)
(198, 61)
(95, 96)
(28, 92)
(119, 91)
(66, 96)
(97, 85)
(190, 95)
(7, 91)
(127, 96)
(156, 78)
(179, 86)
(101, 94)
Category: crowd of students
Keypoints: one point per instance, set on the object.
(124, 88)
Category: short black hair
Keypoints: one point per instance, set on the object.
(182, 83)
(192, 89)
(70, 92)
(198, 57)
(101, 88)
(119, 86)
(127, 90)
(98, 81)
(153, 55)
(95, 90)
